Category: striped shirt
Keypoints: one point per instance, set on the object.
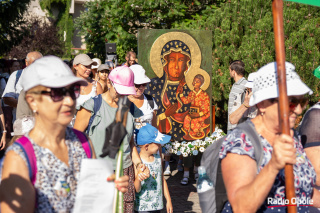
(235, 99)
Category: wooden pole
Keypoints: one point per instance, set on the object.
(277, 10)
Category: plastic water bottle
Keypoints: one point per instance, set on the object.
(204, 183)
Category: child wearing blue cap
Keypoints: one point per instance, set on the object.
(149, 192)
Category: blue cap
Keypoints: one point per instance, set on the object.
(149, 134)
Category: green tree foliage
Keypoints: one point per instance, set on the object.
(39, 36)
(63, 20)
(117, 21)
(243, 29)
(11, 16)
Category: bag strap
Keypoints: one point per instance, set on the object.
(150, 100)
(97, 102)
(249, 129)
(18, 74)
(28, 150)
(84, 142)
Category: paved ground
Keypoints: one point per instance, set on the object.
(184, 198)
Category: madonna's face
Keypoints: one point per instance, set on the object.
(177, 65)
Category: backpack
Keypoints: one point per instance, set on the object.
(97, 101)
(28, 150)
(214, 199)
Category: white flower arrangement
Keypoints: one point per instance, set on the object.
(193, 148)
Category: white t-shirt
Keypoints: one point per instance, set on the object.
(12, 90)
(144, 114)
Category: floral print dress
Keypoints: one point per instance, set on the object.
(304, 174)
(56, 182)
(150, 196)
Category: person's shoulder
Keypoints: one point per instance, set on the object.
(89, 104)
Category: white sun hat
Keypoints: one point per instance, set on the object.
(49, 71)
(139, 74)
(265, 83)
(249, 83)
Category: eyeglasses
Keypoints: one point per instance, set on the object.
(139, 85)
(57, 94)
(294, 102)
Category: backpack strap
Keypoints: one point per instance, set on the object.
(18, 74)
(28, 150)
(250, 130)
(97, 101)
(84, 142)
(150, 100)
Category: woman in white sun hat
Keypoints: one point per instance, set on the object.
(41, 170)
(256, 190)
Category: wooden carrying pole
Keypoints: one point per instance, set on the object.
(277, 10)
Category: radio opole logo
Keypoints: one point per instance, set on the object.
(274, 202)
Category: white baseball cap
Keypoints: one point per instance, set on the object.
(139, 74)
(49, 71)
(98, 61)
(265, 83)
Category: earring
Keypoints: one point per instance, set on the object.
(262, 113)
(34, 111)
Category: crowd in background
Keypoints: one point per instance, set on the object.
(50, 103)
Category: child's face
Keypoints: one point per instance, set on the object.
(196, 83)
(153, 148)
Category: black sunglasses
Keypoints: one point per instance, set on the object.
(105, 71)
(139, 85)
(294, 102)
(57, 94)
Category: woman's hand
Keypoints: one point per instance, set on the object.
(121, 183)
(143, 172)
(169, 207)
(283, 151)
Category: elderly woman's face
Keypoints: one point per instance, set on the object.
(296, 106)
(57, 105)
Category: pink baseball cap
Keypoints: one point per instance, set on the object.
(123, 80)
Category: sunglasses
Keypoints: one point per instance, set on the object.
(57, 94)
(104, 71)
(139, 85)
(294, 102)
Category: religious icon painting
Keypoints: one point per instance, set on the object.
(179, 63)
